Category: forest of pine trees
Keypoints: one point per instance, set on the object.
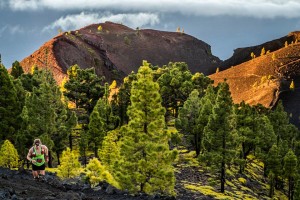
(128, 135)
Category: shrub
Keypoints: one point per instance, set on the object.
(127, 40)
(9, 157)
(97, 173)
(69, 166)
(242, 180)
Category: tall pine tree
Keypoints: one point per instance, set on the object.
(16, 70)
(102, 120)
(219, 134)
(207, 103)
(146, 163)
(279, 120)
(273, 166)
(187, 120)
(45, 115)
(9, 107)
(290, 171)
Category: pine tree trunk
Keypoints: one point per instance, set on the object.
(58, 160)
(70, 141)
(241, 167)
(197, 145)
(223, 165)
(271, 193)
(50, 160)
(96, 151)
(223, 177)
(291, 188)
(84, 158)
(142, 187)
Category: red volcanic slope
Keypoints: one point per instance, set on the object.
(117, 50)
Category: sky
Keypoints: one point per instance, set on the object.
(225, 25)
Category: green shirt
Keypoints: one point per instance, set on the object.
(39, 157)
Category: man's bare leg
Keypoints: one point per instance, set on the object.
(35, 174)
(42, 172)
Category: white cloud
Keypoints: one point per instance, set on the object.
(71, 22)
(15, 29)
(250, 8)
(11, 29)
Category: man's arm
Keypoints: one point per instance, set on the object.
(29, 154)
(46, 154)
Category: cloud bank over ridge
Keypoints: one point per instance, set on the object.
(246, 8)
(76, 21)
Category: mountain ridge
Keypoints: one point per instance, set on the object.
(267, 79)
(115, 50)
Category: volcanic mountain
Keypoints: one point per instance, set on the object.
(268, 77)
(115, 50)
(241, 55)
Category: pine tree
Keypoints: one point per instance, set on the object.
(16, 70)
(123, 98)
(176, 83)
(219, 134)
(69, 166)
(279, 120)
(273, 56)
(245, 127)
(19, 143)
(273, 166)
(265, 137)
(9, 107)
(9, 157)
(146, 163)
(290, 171)
(97, 173)
(297, 190)
(263, 51)
(96, 131)
(55, 122)
(110, 150)
(207, 103)
(102, 120)
(113, 85)
(292, 85)
(187, 120)
(286, 44)
(84, 88)
(83, 145)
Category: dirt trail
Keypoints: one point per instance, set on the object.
(19, 185)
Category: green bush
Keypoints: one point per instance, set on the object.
(9, 157)
(69, 166)
(97, 173)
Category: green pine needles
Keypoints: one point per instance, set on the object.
(69, 166)
(9, 157)
(146, 161)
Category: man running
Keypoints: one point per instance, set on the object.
(38, 155)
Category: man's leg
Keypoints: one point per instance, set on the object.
(42, 172)
(35, 174)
